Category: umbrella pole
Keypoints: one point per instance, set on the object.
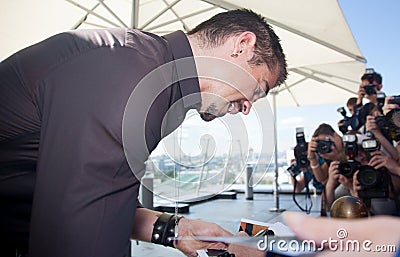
(276, 185)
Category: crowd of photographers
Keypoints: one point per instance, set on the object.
(362, 159)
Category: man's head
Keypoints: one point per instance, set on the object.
(374, 80)
(254, 61)
(351, 104)
(325, 131)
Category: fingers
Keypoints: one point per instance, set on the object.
(306, 227)
(387, 107)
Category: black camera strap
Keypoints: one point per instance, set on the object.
(308, 201)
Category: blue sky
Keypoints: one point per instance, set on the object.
(375, 27)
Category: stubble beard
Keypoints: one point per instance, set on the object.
(209, 113)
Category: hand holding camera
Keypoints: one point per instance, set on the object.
(371, 125)
(391, 103)
(374, 181)
(324, 146)
(334, 173)
(380, 160)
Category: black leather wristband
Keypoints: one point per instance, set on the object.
(164, 229)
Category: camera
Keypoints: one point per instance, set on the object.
(293, 170)
(380, 97)
(369, 75)
(395, 100)
(347, 121)
(349, 167)
(375, 182)
(300, 151)
(324, 146)
(387, 127)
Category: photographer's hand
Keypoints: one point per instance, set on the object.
(386, 144)
(387, 107)
(320, 171)
(380, 160)
(312, 149)
(361, 94)
(370, 124)
(346, 182)
(334, 174)
(331, 184)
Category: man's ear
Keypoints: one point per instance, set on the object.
(379, 87)
(245, 42)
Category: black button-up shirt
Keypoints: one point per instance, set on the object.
(62, 106)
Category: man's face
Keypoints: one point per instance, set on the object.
(351, 109)
(237, 96)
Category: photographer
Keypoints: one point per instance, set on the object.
(333, 190)
(341, 173)
(300, 178)
(371, 82)
(325, 146)
(391, 110)
(376, 182)
(347, 121)
(387, 146)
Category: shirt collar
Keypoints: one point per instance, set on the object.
(186, 68)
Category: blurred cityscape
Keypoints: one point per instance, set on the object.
(196, 180)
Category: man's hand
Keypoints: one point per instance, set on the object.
(380, 160)
(370, 124)
(312, 149)
(387, 107)
(334, 174)
(194, 228)
(243, 251)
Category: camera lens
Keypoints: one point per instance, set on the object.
(368, 176)
(303, 161)
(346, 169)
(323, 146)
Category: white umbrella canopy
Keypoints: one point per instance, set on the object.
(316, 39)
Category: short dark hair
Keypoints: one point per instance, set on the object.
(268, 50)
(324, 129)
(352, 101)
(376, 77)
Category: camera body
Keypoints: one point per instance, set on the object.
(375, 182)
(293, 170)
(324, 146)
(300, 151)
(395, 100)
(370, 88)
(347, 121)
(387, 127)
(380, 97)
(349, 167)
